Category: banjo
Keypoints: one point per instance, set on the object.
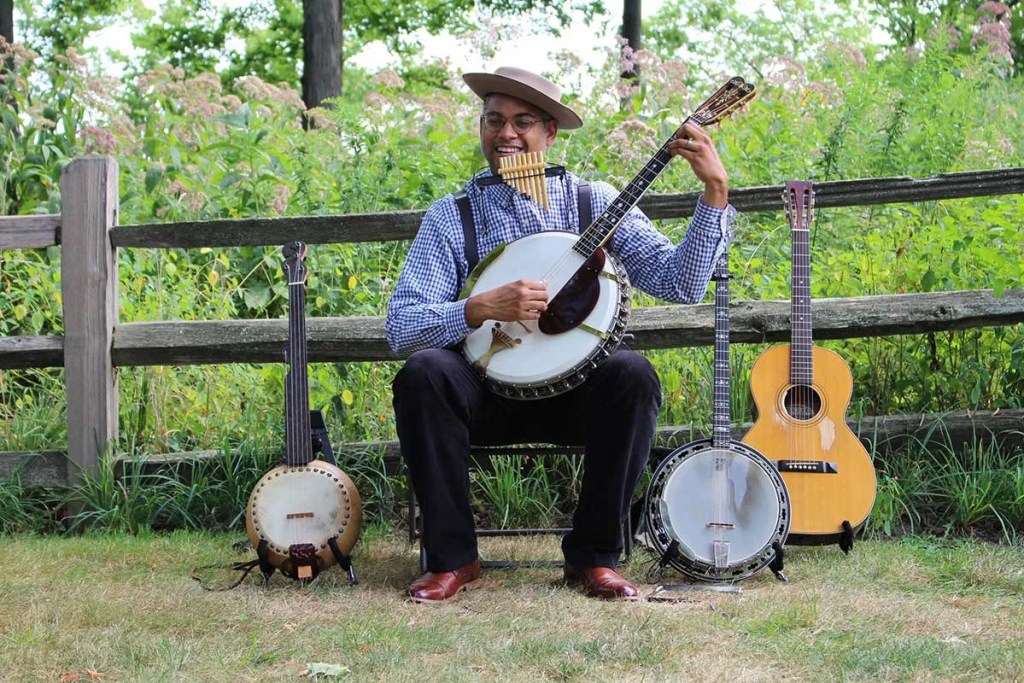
(588, 290)
(716, 509)
(305, 515)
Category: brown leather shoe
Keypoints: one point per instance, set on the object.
(601, 582)
(433, 587)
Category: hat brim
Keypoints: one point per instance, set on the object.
(484, 84)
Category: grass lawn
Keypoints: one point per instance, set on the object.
(124, 608)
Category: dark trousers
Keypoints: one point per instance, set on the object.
(441, 407)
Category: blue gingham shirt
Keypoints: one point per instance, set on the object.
(425, 311)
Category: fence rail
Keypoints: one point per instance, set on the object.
(95, 343)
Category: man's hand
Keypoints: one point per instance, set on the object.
(695, 145)
(519, 300)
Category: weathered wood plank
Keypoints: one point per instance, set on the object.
(656, 327)
(247, 341)
(853, 192)
(881, 435)
(661, 327)
(29, 232)
(367, 227)
(31, 352)
(362, 339)
(89, 291)
(48, 468)
(401, 225)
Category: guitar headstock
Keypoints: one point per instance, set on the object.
(294, 266)
(731, 96)
(798, 200)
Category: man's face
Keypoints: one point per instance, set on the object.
(509, 113)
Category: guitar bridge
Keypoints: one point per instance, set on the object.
(809, 466)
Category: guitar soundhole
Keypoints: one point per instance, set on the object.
(577, 299)
(802, 402)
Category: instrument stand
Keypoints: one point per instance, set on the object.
(777, 562)
(321, 442)
(846, 539)
(344, 561)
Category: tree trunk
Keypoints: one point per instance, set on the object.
(321, 51)
(7, 20)
(631, 30)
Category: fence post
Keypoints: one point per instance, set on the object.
(89, 200)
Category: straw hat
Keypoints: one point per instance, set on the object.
(527, 86)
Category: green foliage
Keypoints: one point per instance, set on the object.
(521, 491)
(722, 36)
(191, 148)
(930, 484)
(54, 26)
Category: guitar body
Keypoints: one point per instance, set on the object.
(828, 472)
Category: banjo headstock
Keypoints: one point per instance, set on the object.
(294, 262)
(731, 96)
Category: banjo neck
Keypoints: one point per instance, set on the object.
(722, 422)
(297, 430)
(721, 104)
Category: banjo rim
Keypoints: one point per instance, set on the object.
(347, 524)
(574, 376)
(661, 538)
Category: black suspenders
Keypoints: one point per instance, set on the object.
(469, 228)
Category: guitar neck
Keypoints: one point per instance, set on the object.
(298, 434)
(722, 423)
(799, 199)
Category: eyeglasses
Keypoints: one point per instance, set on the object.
(494, 122)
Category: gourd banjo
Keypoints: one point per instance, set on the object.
(588, 289)
(305, 515)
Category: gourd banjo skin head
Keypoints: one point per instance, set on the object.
(305, 504)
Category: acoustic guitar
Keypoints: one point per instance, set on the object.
(801, 392)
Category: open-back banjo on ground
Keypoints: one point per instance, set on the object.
(716, 509)
(305, 515)
(588, 290)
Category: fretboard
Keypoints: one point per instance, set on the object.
(601, 229)
(298, 434)
(799, 197)
(722, 422)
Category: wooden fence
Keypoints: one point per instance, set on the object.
(95, 342)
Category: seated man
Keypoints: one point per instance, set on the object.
(442, 405)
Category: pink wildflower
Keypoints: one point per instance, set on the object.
(98, 140)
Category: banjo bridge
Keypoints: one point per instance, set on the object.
(299, 515)
(721, 525)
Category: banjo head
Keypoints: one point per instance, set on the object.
(723, 509)
(307, 504)
(539, 365)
